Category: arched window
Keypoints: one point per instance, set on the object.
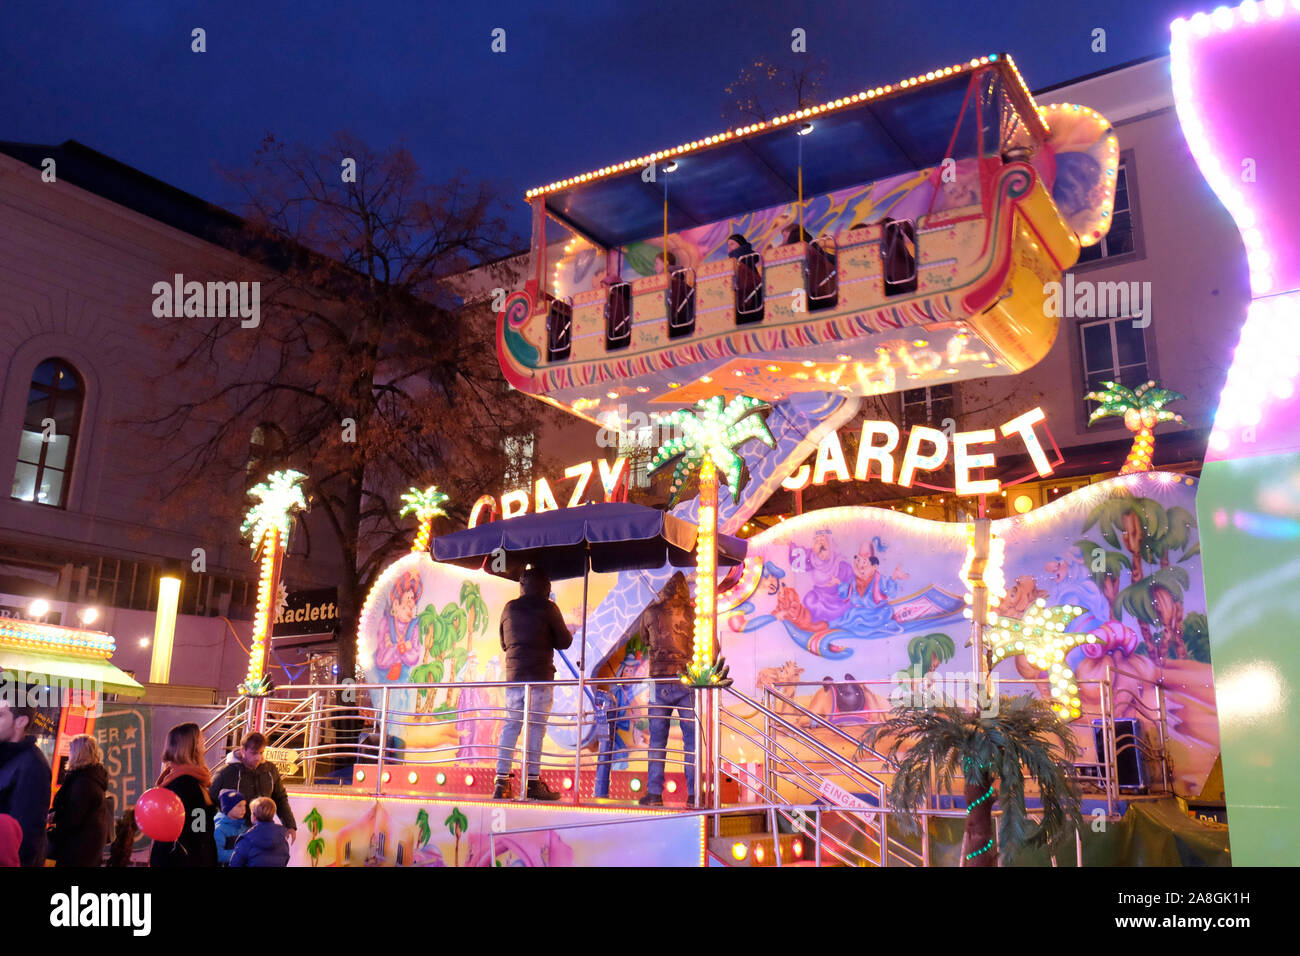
(49, 435)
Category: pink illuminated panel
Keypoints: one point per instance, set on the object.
(1235, 75)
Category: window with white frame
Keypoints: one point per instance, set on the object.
(49, 436)
(1113, 350)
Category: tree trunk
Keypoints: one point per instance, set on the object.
(979, 824)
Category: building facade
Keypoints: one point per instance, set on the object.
(84, 366)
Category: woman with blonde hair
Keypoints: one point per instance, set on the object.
(185, 773)
(82, 818)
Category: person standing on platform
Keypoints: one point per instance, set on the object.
(24, 778)
(82, 816)
(669, 622)
(532, 630)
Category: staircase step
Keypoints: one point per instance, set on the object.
(739, 824)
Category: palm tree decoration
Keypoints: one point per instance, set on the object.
(425, 505)
(707, 446)
(268, 523)
(993, 754)
(1142, 408)
(456, 824)
(1042, 638)
(925, 653)
(315, 846)
(422, 826)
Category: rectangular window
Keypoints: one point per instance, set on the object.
(1120, 239)
(928, 406)
(1113, 351)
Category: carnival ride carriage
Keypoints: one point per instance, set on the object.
(896, 238)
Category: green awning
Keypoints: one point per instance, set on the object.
(84, 669)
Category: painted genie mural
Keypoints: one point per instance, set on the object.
(867, 596)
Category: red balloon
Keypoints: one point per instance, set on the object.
(160, 814)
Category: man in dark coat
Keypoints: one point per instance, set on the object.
(24, 778)
(248, 772)
(532, 630)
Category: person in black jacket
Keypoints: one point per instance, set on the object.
(81, 810)
(532, 630)
(247, 771)
(186, 774)
(24, 779)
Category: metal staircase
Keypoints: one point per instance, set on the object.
(800, 769)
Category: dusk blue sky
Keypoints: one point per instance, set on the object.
(579, 86)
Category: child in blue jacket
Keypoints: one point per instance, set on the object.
(265, 844)
(231, 823)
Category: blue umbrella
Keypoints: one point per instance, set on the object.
(569, 542)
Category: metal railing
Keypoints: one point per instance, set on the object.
(371, 724)
(785, 748)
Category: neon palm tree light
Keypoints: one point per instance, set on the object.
(706, 447)
(1142, 409)
(425, 505)
(268, 523)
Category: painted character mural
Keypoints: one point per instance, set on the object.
(830, 571)
(398, 647)
(868, 594)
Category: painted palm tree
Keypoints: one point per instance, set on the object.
(928, 651)
(425, 505)
(268, 523)
(1131, 523)
(1142, 409)
(422, 827)
(315, 846)
(456, 824)
(993, 753)
(706, 447)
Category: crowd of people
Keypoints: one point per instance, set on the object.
(229, 817)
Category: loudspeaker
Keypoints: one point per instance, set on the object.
(1130, 769)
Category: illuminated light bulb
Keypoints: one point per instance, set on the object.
(441, 778)
(360, 776)
(634, 784)
(412, 777)
(386, 776)
(568, 783)
(739, 851)
(469, 780)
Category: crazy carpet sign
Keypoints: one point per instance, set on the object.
(926, 450)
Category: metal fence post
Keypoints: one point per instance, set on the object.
(523, 740)
(383, 740)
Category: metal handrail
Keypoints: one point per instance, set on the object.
(827, 725)
(844, 764)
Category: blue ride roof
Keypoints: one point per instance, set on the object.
(854, 140)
